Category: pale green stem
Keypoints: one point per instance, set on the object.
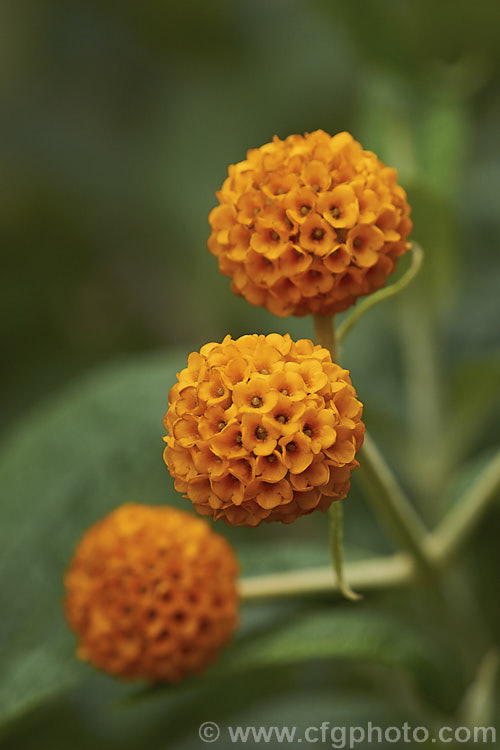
(478, 706)
(458, 524)
(427, 447)
(393, 507)
(395, 570)
(374, 573)
(388, 499)
(337, 550)
(383, 294)
(324, 330)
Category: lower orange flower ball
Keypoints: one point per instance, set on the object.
(262, 428)
(151, 593)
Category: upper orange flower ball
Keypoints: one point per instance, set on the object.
(262, 429)
(151, 593)
(309, 224)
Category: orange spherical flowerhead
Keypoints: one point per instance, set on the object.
(309, 224)
(151, 593)
(262, 428)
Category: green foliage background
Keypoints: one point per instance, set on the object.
(120, 121)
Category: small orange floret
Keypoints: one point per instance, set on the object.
(279, 442)
(151, 593)
(309, 224)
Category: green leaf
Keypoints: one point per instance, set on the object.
(335, 633)
(99, 445)
(68, 464)
(298, 696)
(474, 391)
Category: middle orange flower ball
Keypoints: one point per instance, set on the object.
(262, 428)
(309, 224)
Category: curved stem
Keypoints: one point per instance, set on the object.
(382, 294)
(393, 507)
(337, 550)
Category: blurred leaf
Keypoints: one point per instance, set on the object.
(478, 707)
(474, 392)
(293, 696)
(88, 451)
(465, 476)
(301, 696)
(68, 464)
(337, 633)
(417, 39)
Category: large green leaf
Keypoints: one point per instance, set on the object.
(299, 697)
(360, 665)
(66, 465)
(340, 633)
(474, 389)
(69, 463)
(98, 446)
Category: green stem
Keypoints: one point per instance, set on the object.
(395, 570)
(382, 294)
(429, 458)
(388, 499)
(393, 507)
(337, 550)
(324, 330)
(458, 524)
(478, 705)
(324, 333)
(372, 574)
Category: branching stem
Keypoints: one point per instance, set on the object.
(374, 573)
(441, 547)
(392, 506)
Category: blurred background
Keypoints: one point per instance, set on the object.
(119, 124)
(119, 121)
